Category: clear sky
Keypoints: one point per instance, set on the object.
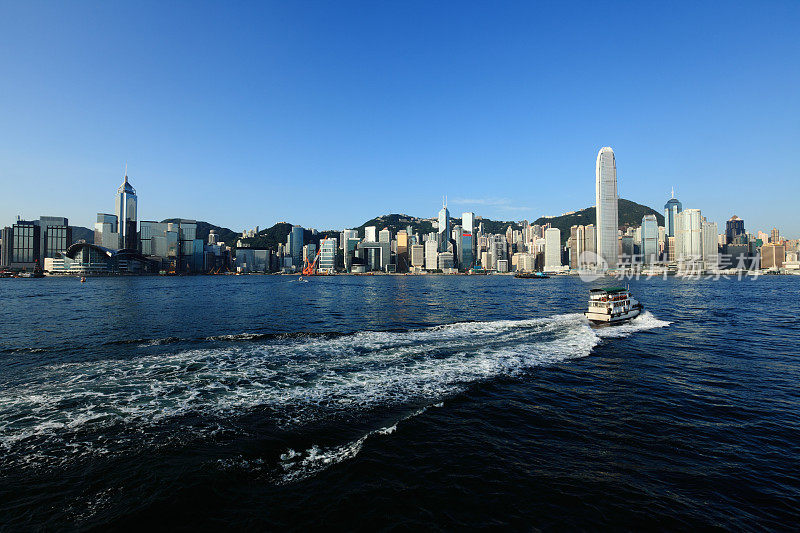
(326, 114)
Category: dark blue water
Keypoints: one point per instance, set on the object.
(397, 403)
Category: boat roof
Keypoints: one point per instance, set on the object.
(610, 290)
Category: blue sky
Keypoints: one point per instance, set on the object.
(329, 113)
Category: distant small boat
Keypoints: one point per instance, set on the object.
(613, 305)
(83, 279)
(531, 275)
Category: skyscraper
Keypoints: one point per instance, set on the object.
(552, 249)
(606, 202)
(733, 228)
(295, 246)
(126, 214)
(55, 236)
(444, 228)
(649, 242)
(468, 222)
(671, 210)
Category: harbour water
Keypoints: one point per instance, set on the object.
(441, 402)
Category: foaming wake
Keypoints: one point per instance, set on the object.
(99, 407)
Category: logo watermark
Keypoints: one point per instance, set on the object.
(592, 266)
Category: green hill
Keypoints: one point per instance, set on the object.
(630, 214)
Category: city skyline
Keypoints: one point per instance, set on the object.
(295, 113)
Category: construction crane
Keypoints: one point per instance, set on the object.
(311, 266)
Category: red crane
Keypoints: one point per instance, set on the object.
(311, 266)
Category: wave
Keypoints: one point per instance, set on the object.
(297, 379)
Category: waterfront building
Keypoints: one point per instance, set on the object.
(106, 232)
(498, 250)
(402, 250)
(417, 256)
(24, 244)
(552, 249)
(55, 236)
(688, 235)
(444, 228)
(773, 255)
(671, 210)
(606, 206)
(126, 214)
(466, 254)
(7, 247)
(733, 228)
(309, 252)
(376, 255)
(327, 255)
(348, 234)
(349, 251)
(295, 244)
(173, 245)
(431, 254)
(649, 239)
(626, 249)
(370, 234)
(253, 260)
(83, 258)
(710, 245)
(526, 262)
(445, 261)
(502, 265)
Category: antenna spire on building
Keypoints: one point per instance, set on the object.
(673, 192)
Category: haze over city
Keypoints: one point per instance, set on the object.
(327, 115)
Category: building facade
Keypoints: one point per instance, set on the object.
(607, 207)
(126, 204)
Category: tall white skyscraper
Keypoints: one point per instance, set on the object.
(606, 202)
(444, 227)
(370, 234)
(468, 222)
(552, 249)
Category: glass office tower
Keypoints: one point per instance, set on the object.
(126, 214)
(606, 202)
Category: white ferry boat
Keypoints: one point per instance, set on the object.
(613, 305)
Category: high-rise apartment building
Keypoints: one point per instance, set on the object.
(607, 207)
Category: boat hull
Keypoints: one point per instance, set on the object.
(608, 320)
